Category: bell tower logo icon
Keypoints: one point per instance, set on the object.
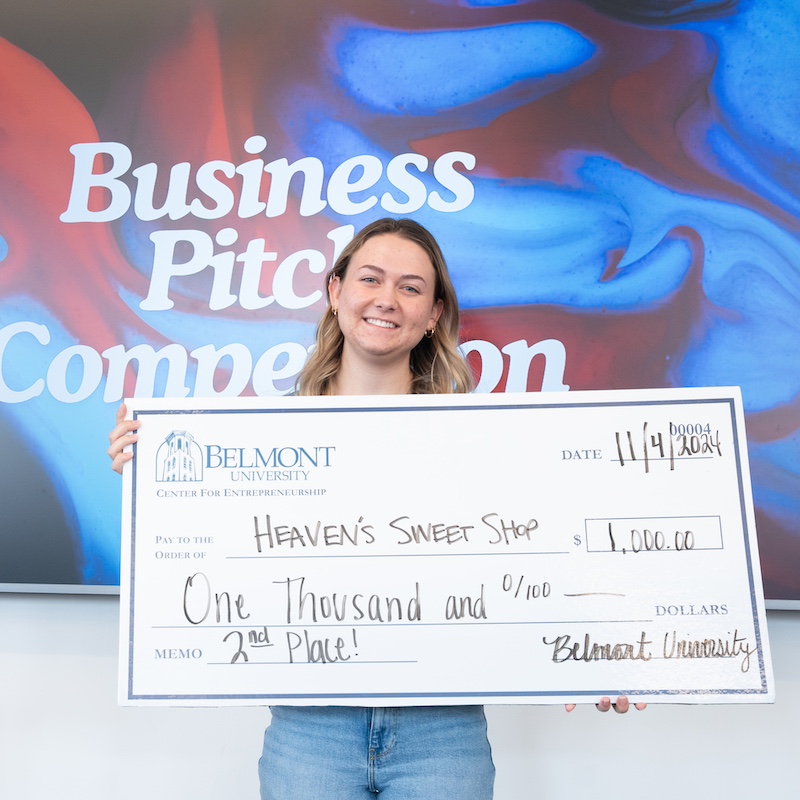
(179, 458)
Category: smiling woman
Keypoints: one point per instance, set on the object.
(392, 321)
(390, 327)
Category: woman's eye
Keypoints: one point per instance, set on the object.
(411, 289)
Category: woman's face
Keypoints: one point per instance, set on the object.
(386, 299)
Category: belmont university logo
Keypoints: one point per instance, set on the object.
(179, 458)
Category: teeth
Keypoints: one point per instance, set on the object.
(380, 323)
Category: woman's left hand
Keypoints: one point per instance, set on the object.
(621, 706)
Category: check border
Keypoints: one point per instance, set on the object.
(756, 598)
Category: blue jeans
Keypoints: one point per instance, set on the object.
(339, 753)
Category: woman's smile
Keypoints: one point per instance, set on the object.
(380, 323)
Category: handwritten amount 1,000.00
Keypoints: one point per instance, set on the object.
(648, 540)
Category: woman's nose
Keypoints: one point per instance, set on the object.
(386, 297)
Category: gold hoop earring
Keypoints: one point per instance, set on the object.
(429, 334)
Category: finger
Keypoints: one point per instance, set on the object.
(121, 441)
(622, 705)
(640, 706)
(569, 707)
(119, 431)
(123, 426)
(604, 704)
(119, 462)
(119, 423)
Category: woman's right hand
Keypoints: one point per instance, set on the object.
(122, 435)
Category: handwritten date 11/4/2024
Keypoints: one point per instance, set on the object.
(693, 440)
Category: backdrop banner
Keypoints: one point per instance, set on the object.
(615, 188)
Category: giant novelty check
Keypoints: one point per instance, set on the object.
(537, 548)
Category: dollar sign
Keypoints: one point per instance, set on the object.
(577, 539)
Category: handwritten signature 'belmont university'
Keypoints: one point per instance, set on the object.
(732, 647)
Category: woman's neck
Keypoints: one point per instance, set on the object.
(358, 378)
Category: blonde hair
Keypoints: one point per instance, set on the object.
(436, 364)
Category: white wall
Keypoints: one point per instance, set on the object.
(63, 736)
